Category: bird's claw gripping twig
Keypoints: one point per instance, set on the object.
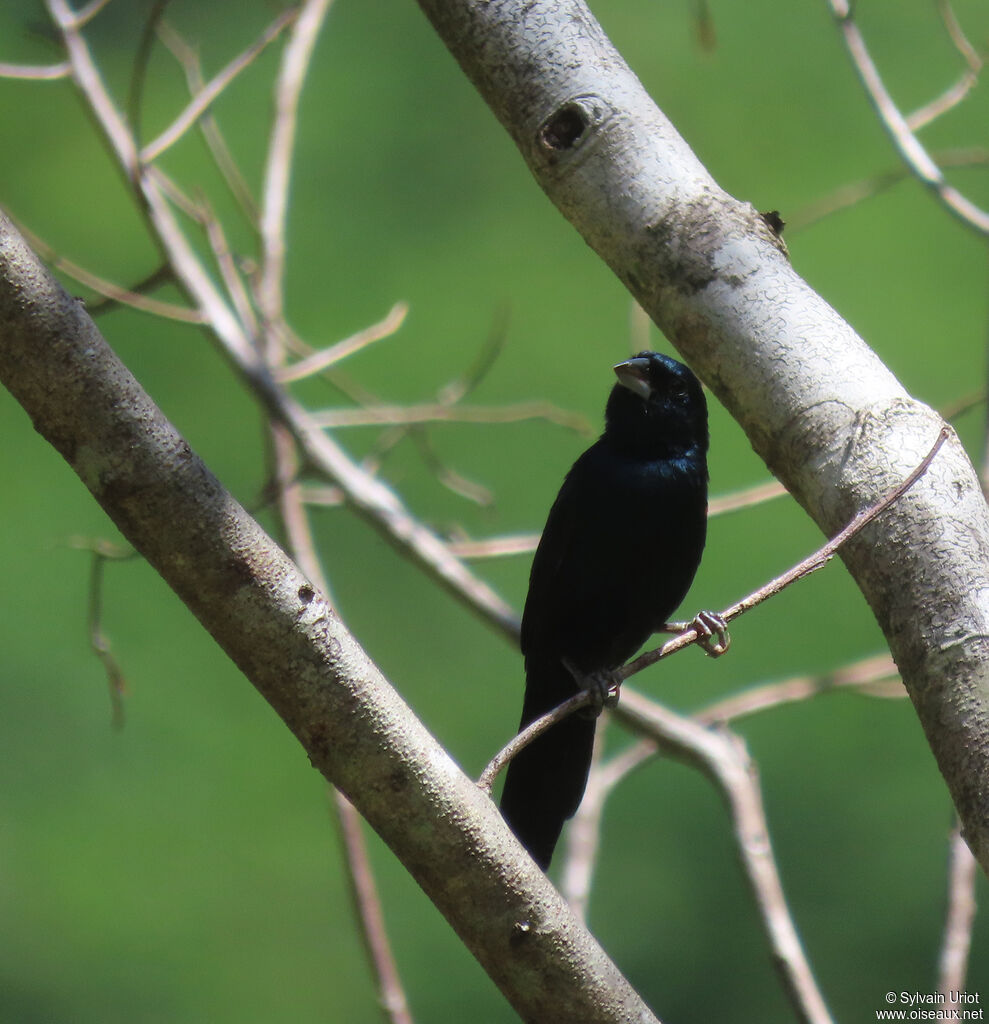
(602, 685)
(712, 633)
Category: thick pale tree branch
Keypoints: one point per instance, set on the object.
(818, 405)
(283, 635)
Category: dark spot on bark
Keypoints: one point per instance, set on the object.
(564, 129)
(306, 593)
(775, 222)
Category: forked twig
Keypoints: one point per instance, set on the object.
(724, 759)
(201, 102)
(897, 126)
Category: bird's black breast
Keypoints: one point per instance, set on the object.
(619, 551)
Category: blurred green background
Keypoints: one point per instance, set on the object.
(186, 868)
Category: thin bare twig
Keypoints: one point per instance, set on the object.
(956, 942)
(911, 150)
(849, 195)
(494, 547)
(532, 731)
(36, 72)
(866, 675)
(525, 543)
(446, 475)
(116, 294)
(102, 551)
(970, 55)
(722, 757)
(871, 676)
(951, 97)
(188, 59)
(296, 59)
(379, 505)
(748, 497)
(367, 907)
(584, 834)
(201, 102)
(432, 412)
(139, 72)
(319, 361)
(232, 281)
(89, 11)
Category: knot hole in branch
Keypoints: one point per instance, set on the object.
(564, 129)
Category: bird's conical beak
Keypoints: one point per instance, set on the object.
(634, 375)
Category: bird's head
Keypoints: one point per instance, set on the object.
(658, 404)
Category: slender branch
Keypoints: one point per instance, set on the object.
(748, 497)
(394, 415)
(296, 58)
(866, 675)
(909, 146)
(956, 941)
(367, 907)
(36, 72)
(102, 551)
(232, 281)
(584, 833)
(850, 195)
(969, 54)
(950, 98)
(871, 676)
(188, 58)
(494, 547)
(117, 294)
(86, 13)
(201, 102)
(139, 73)
(723, 758)
(327, 357)
(532, 731)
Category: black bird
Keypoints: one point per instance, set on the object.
(619, 551)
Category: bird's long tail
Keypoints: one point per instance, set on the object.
(545, 781)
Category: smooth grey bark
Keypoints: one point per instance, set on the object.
(286, 639)
(818, 405)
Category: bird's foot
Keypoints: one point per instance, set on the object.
(602, 685)
(712, 632)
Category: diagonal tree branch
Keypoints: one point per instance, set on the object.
(286, 639)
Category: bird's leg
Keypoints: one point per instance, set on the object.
(603, 686)
(711, 629)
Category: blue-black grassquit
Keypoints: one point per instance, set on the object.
(619, 550)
